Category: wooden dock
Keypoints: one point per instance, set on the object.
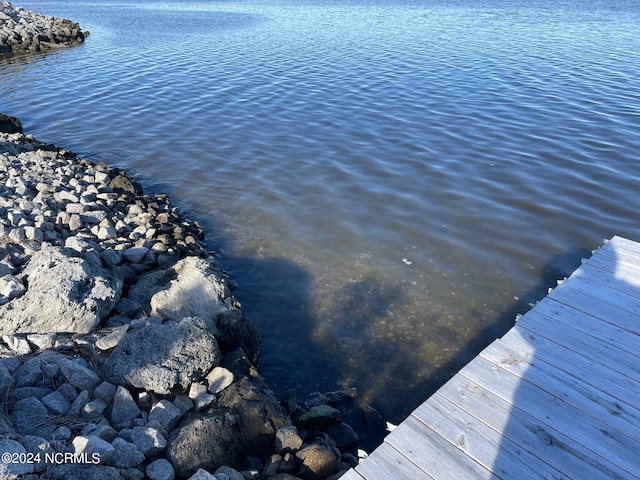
(557, 397)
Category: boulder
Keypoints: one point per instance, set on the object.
(65, 293)
(9, 124)
(318, 461)
(162, 358)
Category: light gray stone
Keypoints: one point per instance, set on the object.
(66, 293)
(135, 254)
(161, 469)
(92, 444)
(17, 344)
(42, 341)
(94, 409)
(202, 474)
(10, 288)
(201, 398)
(148, 440)
(160, 358)
(124, 409)
(165, 414)
(79, 376)
(125, 454)
(218, 379)
(111, 339)
(56, 402)
(288, 439)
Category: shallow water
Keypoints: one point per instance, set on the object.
(388, 182)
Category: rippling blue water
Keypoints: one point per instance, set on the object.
(389, 182)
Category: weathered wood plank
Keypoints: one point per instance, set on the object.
(444, 461)
(482, 443)
(567, 317)
(387, 462)
(621, 387)
(352, 475)
(606, 284)
(554, 413)
(553, 446)
(625, 318)
(582, 344)
(594, 401)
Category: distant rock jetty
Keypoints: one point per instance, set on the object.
(24, 31)
(123, 353)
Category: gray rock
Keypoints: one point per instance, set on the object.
(17, 344)
(6, 381)
(40, 447)
(104, 390)
(148, 440)
(56, 402)
(79, 376)
(8, 469)
(318, 461)
(66, 293)
(160, 358)
(125, 454)
(288, 439)
(94, 409)
(10, 288)
(93, 447)
(85, 472)
(344, 436)
(124, 409)
(202, 474)
(231, 473)
(319, 417)
(111, 339)
(166, 414)
(198, 393)
(161, 469)
(135, 254)
(30, 417)
(29, 373)
(78, 404)
(42, 341)
(218, 379)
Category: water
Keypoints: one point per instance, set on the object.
(388, 182)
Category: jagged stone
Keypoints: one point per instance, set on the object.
(66, 293)
(161, 358)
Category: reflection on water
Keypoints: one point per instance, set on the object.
(385, 180)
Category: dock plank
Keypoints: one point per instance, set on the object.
(553, 446)
(558, 396)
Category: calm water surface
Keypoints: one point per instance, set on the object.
(388, 182)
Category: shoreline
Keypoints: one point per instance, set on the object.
(24, 31)
(121, 338)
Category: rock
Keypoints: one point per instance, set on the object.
(218, 379)
(85, 472)
(288, 439)
(161, 358)
(111, 339)
(318, 461)
(372, 417)
(78, 403)
(161, 469)
(104, 390)
(6, 381)
(93, 447)
(10, 288)
(66, 293)
(165, 414)
(148, 440)
(19, 345)
(124, 409)
(40, 447)
(29, 373)
(30, 417)
(344, 436)
(94, 409)
(12, 447)
(198, 393)
(271, 465)
(202, 474)
(320, 417)
(208, 440)
(192, 287)
(56, 402)
(125, 454)
(231, 473)
(9, 124)
(80, 377)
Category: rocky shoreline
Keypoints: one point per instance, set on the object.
(123, 352)
(24, 31)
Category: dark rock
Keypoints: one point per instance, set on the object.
(161, 358)
(8, 470)
(9, 124)
(84, 472)
(320, 417)
(79, 376)
(161, 469)
(30, 417)
(344, 436)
